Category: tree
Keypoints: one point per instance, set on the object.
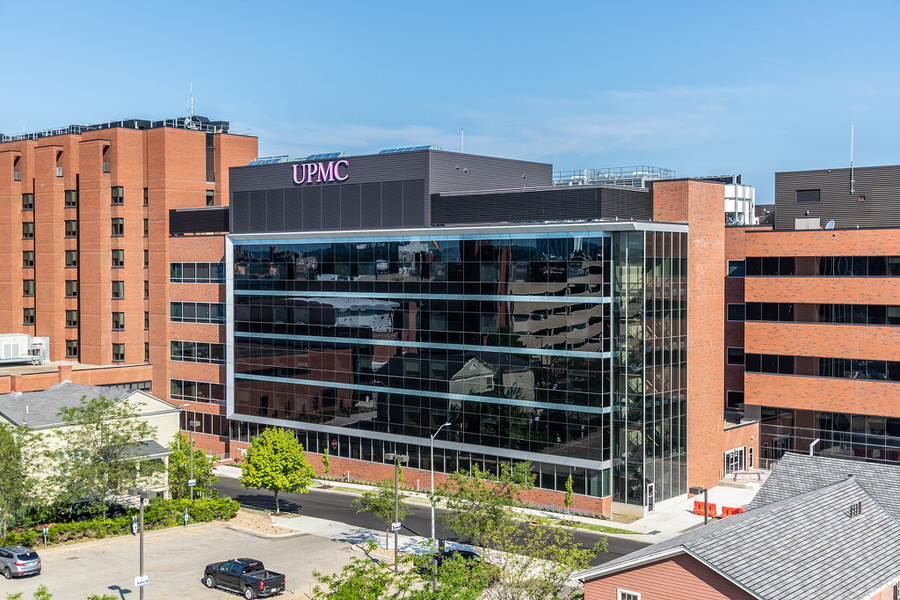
(372, 579)
(15, 483)
(479, 503)
(100, 439)
(380, 502)
(275, 462)
(569, 500)
(536, 562)
(180, 470)
(326, 464)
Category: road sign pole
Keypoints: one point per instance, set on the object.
(396, 509)
(142, 545)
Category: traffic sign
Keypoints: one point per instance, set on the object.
(141, 580)
(334, 444)
(192, 482)
(395, 526)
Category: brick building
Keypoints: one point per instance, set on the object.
(138, 257)
(813, 348)
(88, 254)
(391, 294)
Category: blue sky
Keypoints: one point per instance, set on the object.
(699, 87)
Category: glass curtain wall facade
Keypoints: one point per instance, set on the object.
(650, 346)
(513, 338)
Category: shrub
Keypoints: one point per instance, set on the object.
(158, 514)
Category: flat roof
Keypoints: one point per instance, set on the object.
(473, 230)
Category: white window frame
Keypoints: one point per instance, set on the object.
(627, 595)
(743, 462)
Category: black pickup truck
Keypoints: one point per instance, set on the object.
(244, 576)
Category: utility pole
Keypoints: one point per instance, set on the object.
(432, 476)
(191, 481)
(397, 458)
(142, 495)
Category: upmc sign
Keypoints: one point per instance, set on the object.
(335, 170)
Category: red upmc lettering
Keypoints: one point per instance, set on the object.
(321, 172)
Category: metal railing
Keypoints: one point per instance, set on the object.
(191, 123)
(633, 176)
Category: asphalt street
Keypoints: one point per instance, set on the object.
(338, 506)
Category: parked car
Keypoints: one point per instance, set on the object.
(470, 558)
(87, 509)
(244, 576)
(18, 561)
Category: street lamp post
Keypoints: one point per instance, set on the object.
(142, 494)
(432, 476)
(397, 458)
(191, 482)
(697, 489)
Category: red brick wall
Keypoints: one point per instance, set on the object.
(844, 242)
(374, 472)
(825, 394)
(701, 204)
(677, 578)
(824, 340)
(172, 164)
(743, 435)
(831, 290)
(873, 342)
(35, 382)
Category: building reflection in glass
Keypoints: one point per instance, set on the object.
(528, 344)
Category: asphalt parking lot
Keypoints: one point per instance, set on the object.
(174, 560)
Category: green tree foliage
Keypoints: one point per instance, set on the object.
(180, 470)
(275, 462)
(15, 483)
(100, 437)
(371, 579)
(536, 562)
(479, 503)
(569, 500)
(380, 502)
(326, 463)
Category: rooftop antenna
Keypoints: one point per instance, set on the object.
(852, 181)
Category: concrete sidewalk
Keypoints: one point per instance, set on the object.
(656, 527)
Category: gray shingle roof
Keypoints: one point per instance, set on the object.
(43, 407)
(805, 547)
(798, 473)
(146, 449)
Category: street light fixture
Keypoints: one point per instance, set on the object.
(699, 489)
(397, 458)
(142, 495)
(191, 482)
(432, 476)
